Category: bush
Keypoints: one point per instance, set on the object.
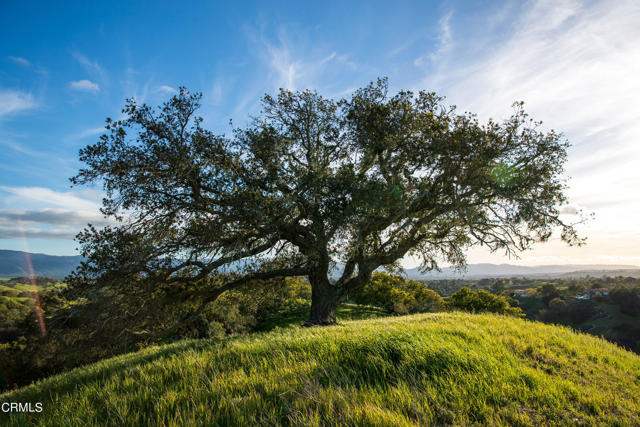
(568, 313)
(576, 289)
(548, 292)
(581, 311)
(482, 301)
(397, 295)
(628, 335)
(628, 299)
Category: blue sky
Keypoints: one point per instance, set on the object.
(64, 68)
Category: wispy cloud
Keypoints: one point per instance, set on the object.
(92, 131)
(63, 217)
(12, 101)
(286, 68)
(85, 86)
(167, 89)
(14, 232)
(21, 148)
(20, 61)
(444, 45)
(48, 197)
(215, 94)
(295, 65)
(71, 212)
(575, 64)
(133, 88)
(93, 68)
(569, 210)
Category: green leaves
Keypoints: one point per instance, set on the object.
(396, 191)
(363, 180)
(505, 175)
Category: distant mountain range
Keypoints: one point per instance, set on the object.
(15, 263)
(481, 271)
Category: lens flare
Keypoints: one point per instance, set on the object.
(37, 307)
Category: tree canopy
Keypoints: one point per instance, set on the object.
(311, 183)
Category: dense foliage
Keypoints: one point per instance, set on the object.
(480, 302)
(309, 182)
(628, 299)
(575, 285)
(398, 295)
(568, 312)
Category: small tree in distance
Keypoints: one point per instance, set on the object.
(309, 184)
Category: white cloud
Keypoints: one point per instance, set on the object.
(92, 67)
(21, 148)
(167, 89)
(445, 42)
(215, 95)
(28, 197)
(569, 210)
(85, 86)
(286, 68)
(63, 217)
(42, 213)
(295, 65)
(576, 66)
(36, 233)
(20, 61)
(86, 133)
(12, 101)
(136, 90)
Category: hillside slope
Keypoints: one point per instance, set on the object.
(442, 368)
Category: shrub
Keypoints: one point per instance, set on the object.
(397, 295)
(628, 299)
(548, 291)
(482, 301)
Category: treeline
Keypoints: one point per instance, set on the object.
(449, 286)
(400, 296)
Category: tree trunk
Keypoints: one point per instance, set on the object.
(324, 300)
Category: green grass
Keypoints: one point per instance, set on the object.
(444, 369)
(297, 316)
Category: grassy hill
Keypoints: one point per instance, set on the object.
(445, 368)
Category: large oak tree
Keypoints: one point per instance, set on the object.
(330, 190)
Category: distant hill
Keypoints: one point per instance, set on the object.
(16, 263)
(426, 369)
(481, 271)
